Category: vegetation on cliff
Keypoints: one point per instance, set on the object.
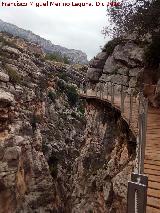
(57, 57)
(136, 16)
(140, 20)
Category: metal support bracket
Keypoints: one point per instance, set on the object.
(137, 194)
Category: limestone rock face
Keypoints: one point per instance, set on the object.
(93, 74)
(40, 132)
(99, 60)
(11, 50)
(118, 79)
(132, 82)
(135, 72)
(123, 66)
(96, 67)
(6, 97)
(110, 65)
(130, 54)
(4, 77)
(103, 168)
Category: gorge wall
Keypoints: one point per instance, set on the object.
(40, 129)
(106, 160)
(58, 153)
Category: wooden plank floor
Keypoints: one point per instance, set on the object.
(152, 152)
(152, 160)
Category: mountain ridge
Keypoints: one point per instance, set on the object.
(74, 56)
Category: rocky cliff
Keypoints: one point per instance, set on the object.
(59, 153)
(124, 61)
(41, 127)
(74, 56)
(106, 160)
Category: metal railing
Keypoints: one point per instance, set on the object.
(133, 109)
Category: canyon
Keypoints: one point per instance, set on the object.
(59, 152)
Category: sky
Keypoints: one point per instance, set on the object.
(71, 27)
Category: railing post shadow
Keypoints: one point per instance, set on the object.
(130, 108)
(96, 90)
(122, 99)
(107, 90)
(112, 93)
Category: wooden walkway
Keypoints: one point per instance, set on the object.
(152, 151)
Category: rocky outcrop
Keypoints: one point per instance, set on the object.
(129, 54)
(125, 65)
(106, 160)
(6, 109)
(120, 67)
(4, 77)
(74, 56)
(96, 67)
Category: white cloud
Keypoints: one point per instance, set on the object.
(72, 27)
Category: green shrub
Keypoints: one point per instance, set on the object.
(57, 57)
(53, 57)
(109, 47)
(115, 71)
(65, 60)
(53, 166)
(72, 95)
(62, 75)
(74, 115)
(53, 170)
(61, 85)
(152, 53)
(7, 43)
(52, 95)
(13, 75)
(81, 107)
(35, 119)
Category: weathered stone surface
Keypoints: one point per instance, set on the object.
(118, 79)
(99, 60)
(103, 78)
(123, 70)
(40, 135)
(94, 74)
(135, 72)
(130, 54)
(104, 174)
(4, 77)
(6, 97)
(12, 153)
(11, 50)
(107, 188)
(1, 152)
(133, 82)
(154, 95)
(120, 182)
(111, 66)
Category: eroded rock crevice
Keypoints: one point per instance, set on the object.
(101, 172)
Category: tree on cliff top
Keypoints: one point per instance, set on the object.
(133, 16)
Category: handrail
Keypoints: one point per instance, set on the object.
(133, 109)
